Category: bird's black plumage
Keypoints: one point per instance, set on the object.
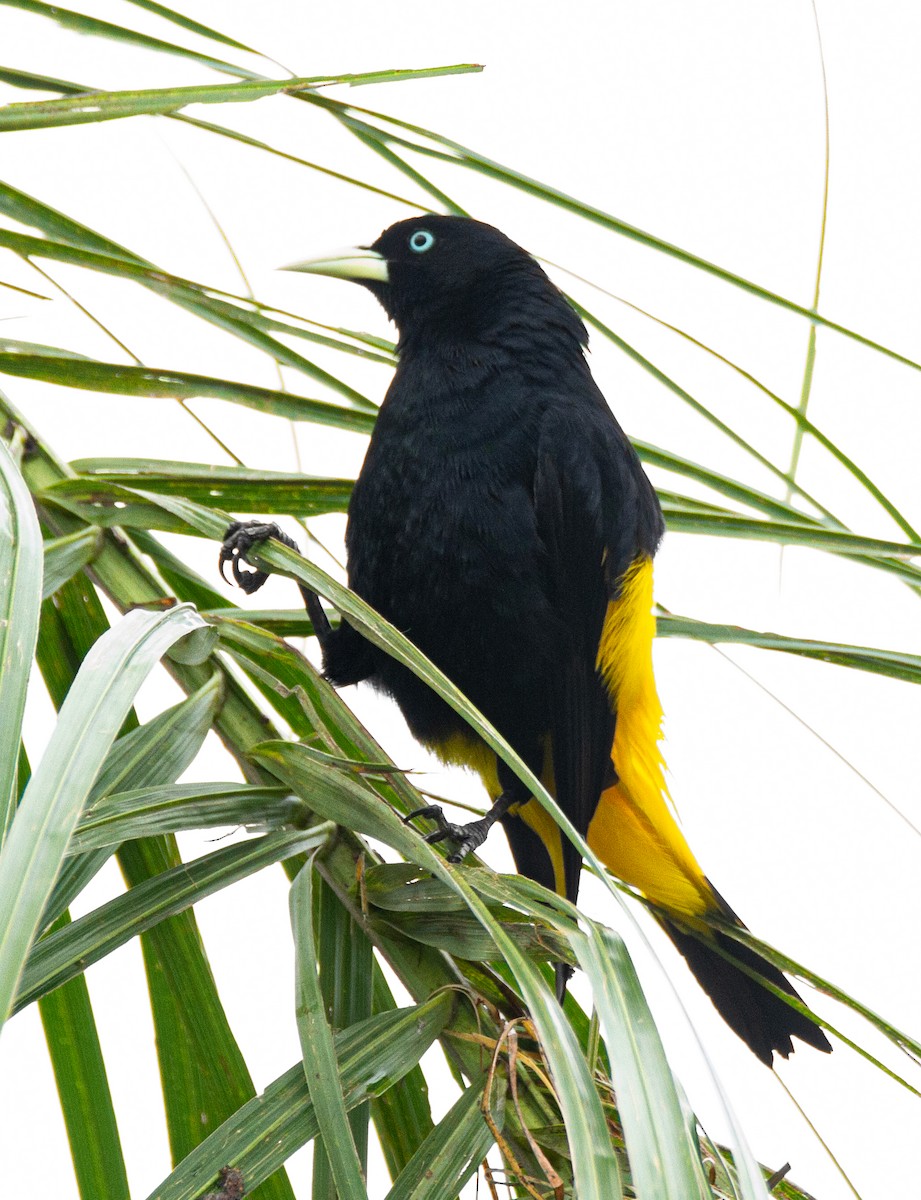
(503, 521)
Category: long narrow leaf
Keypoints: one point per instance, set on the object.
(184, 22)
(239, 488)
(108, 106)
(450, 1154)
(82, 24)
(156, 753)
(20, 596)
(62, 955)
(89, 719)
(664, 1161)
(83, 1089)
(146, 812)
(265, 1132)
(65, 556)
(893, 663)
(347, 983)
(321, 1068)
(143, 381)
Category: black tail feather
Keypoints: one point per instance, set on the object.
(764, 1022)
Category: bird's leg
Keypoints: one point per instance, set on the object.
(239, 539)
(471, 836)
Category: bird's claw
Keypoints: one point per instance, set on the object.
(239, 539)
(466, 838)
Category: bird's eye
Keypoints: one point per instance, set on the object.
(421, 241)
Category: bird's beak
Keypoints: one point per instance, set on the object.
(353, 262)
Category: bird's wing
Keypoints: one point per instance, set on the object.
(596, 515)
(600, 520)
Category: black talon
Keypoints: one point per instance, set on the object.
(466, 838)
(432, 811)
(239, 539)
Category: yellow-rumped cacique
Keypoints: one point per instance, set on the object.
(503, 522)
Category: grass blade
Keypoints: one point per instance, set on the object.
(894, 663)
(89, 720)
(664, 1161)
(451, 1153)
(237, 488)
(149, 811)
(62, 955)
(20, 597)
(109, 106)
(82, 24)
(321, 1068)
(83, 1090)
(143, 381)
(372, 1056)
(65, 556)
(168, 14)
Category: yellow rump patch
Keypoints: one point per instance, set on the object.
(633, 830)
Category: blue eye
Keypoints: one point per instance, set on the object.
(421, 241)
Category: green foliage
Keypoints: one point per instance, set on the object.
(470, 948)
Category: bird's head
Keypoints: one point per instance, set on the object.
(453, 279)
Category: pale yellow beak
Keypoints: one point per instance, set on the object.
(352, 262)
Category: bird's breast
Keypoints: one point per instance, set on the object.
(442, 539)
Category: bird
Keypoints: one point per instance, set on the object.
(503, 521)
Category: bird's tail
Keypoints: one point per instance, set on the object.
(652, 855)
(764, 1021)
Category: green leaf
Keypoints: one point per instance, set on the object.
(664, 1159)
(833, 540)
(282, 674)
(450, 1154)
(156, 753)
(142, 381)
(321, 1068)
(62, 955)
(83, 1090)
(894, 663)
(20, 597)
(237, 488)
(82, 24)
(148, 811)
(107, 106)
(35, 214)
(89, 720)
(372, 1056)
(346, 964)
(402, 1116)
(168, 14)
(65, 556)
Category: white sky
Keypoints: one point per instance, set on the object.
(703, 124)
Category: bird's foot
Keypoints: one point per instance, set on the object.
(239, 539)
(466, 838)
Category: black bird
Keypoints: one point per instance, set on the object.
(503, 521)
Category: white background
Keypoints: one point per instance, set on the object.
(702, 123)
